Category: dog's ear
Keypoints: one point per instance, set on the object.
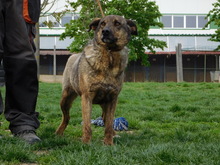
(94, 24)
(132, 26)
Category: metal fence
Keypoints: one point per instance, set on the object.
(196, 67)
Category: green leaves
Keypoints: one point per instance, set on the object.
(145, 13)
(214, 15)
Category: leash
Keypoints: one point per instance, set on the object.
(100, 8)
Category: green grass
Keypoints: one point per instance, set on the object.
(169, 124)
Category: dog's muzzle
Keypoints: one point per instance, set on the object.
(107, 36)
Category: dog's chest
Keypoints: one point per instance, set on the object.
(104, 92)
(104, 72)
(106, 63)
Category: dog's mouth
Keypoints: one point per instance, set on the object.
(107, 36)
(109, 40)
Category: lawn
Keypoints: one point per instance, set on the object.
(169, 123)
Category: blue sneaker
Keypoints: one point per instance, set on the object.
(98, 122)
(120, 124)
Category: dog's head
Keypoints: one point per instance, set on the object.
(113, 31)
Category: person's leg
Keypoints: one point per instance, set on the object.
(20, 71)
(1, 28)
(1, 50)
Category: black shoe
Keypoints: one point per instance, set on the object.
(28, 136)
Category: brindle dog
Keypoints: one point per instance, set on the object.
(97, 74)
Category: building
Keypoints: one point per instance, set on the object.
(183, 23)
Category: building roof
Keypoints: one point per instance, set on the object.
(199, 52)
(187, 53)
(58, 52)
(182, 32)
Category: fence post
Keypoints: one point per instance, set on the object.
(54, 60)
(205, 68)
(179, 63)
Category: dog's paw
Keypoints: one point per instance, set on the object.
(108, 142)
(86, 140)
(59, 132)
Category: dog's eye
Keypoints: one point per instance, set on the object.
(117, 23)
(103, 24)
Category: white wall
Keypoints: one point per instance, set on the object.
(59, 5)
(48, 42)
(165, 6)
(185, 6)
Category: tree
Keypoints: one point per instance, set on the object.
(46, 6)
(145, 13)
(214, 15)
(47, 10)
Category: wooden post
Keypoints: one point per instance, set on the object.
(164, 69)
(134, 72)
(195, 69)
(205, 68)
(54, 61)
(100, 8)
(179, 63)
(218, 62)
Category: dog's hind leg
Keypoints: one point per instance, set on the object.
(86, 115)
(108, 117)
(68, 96)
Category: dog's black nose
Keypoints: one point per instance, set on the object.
(107, 36)
(106, 32)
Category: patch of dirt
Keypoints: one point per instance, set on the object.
(51, 78)
(43, 152)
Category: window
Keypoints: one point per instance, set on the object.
(76, 16)
(53, 21)
(66, 19)
(190, 21)
(167, 21)
(178, 21)
(202, 21)
(184, 21)
(42, 21)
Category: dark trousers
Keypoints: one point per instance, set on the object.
(16, 48)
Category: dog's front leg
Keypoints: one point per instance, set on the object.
(86, 115)
(67, 98)
(108, 117)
